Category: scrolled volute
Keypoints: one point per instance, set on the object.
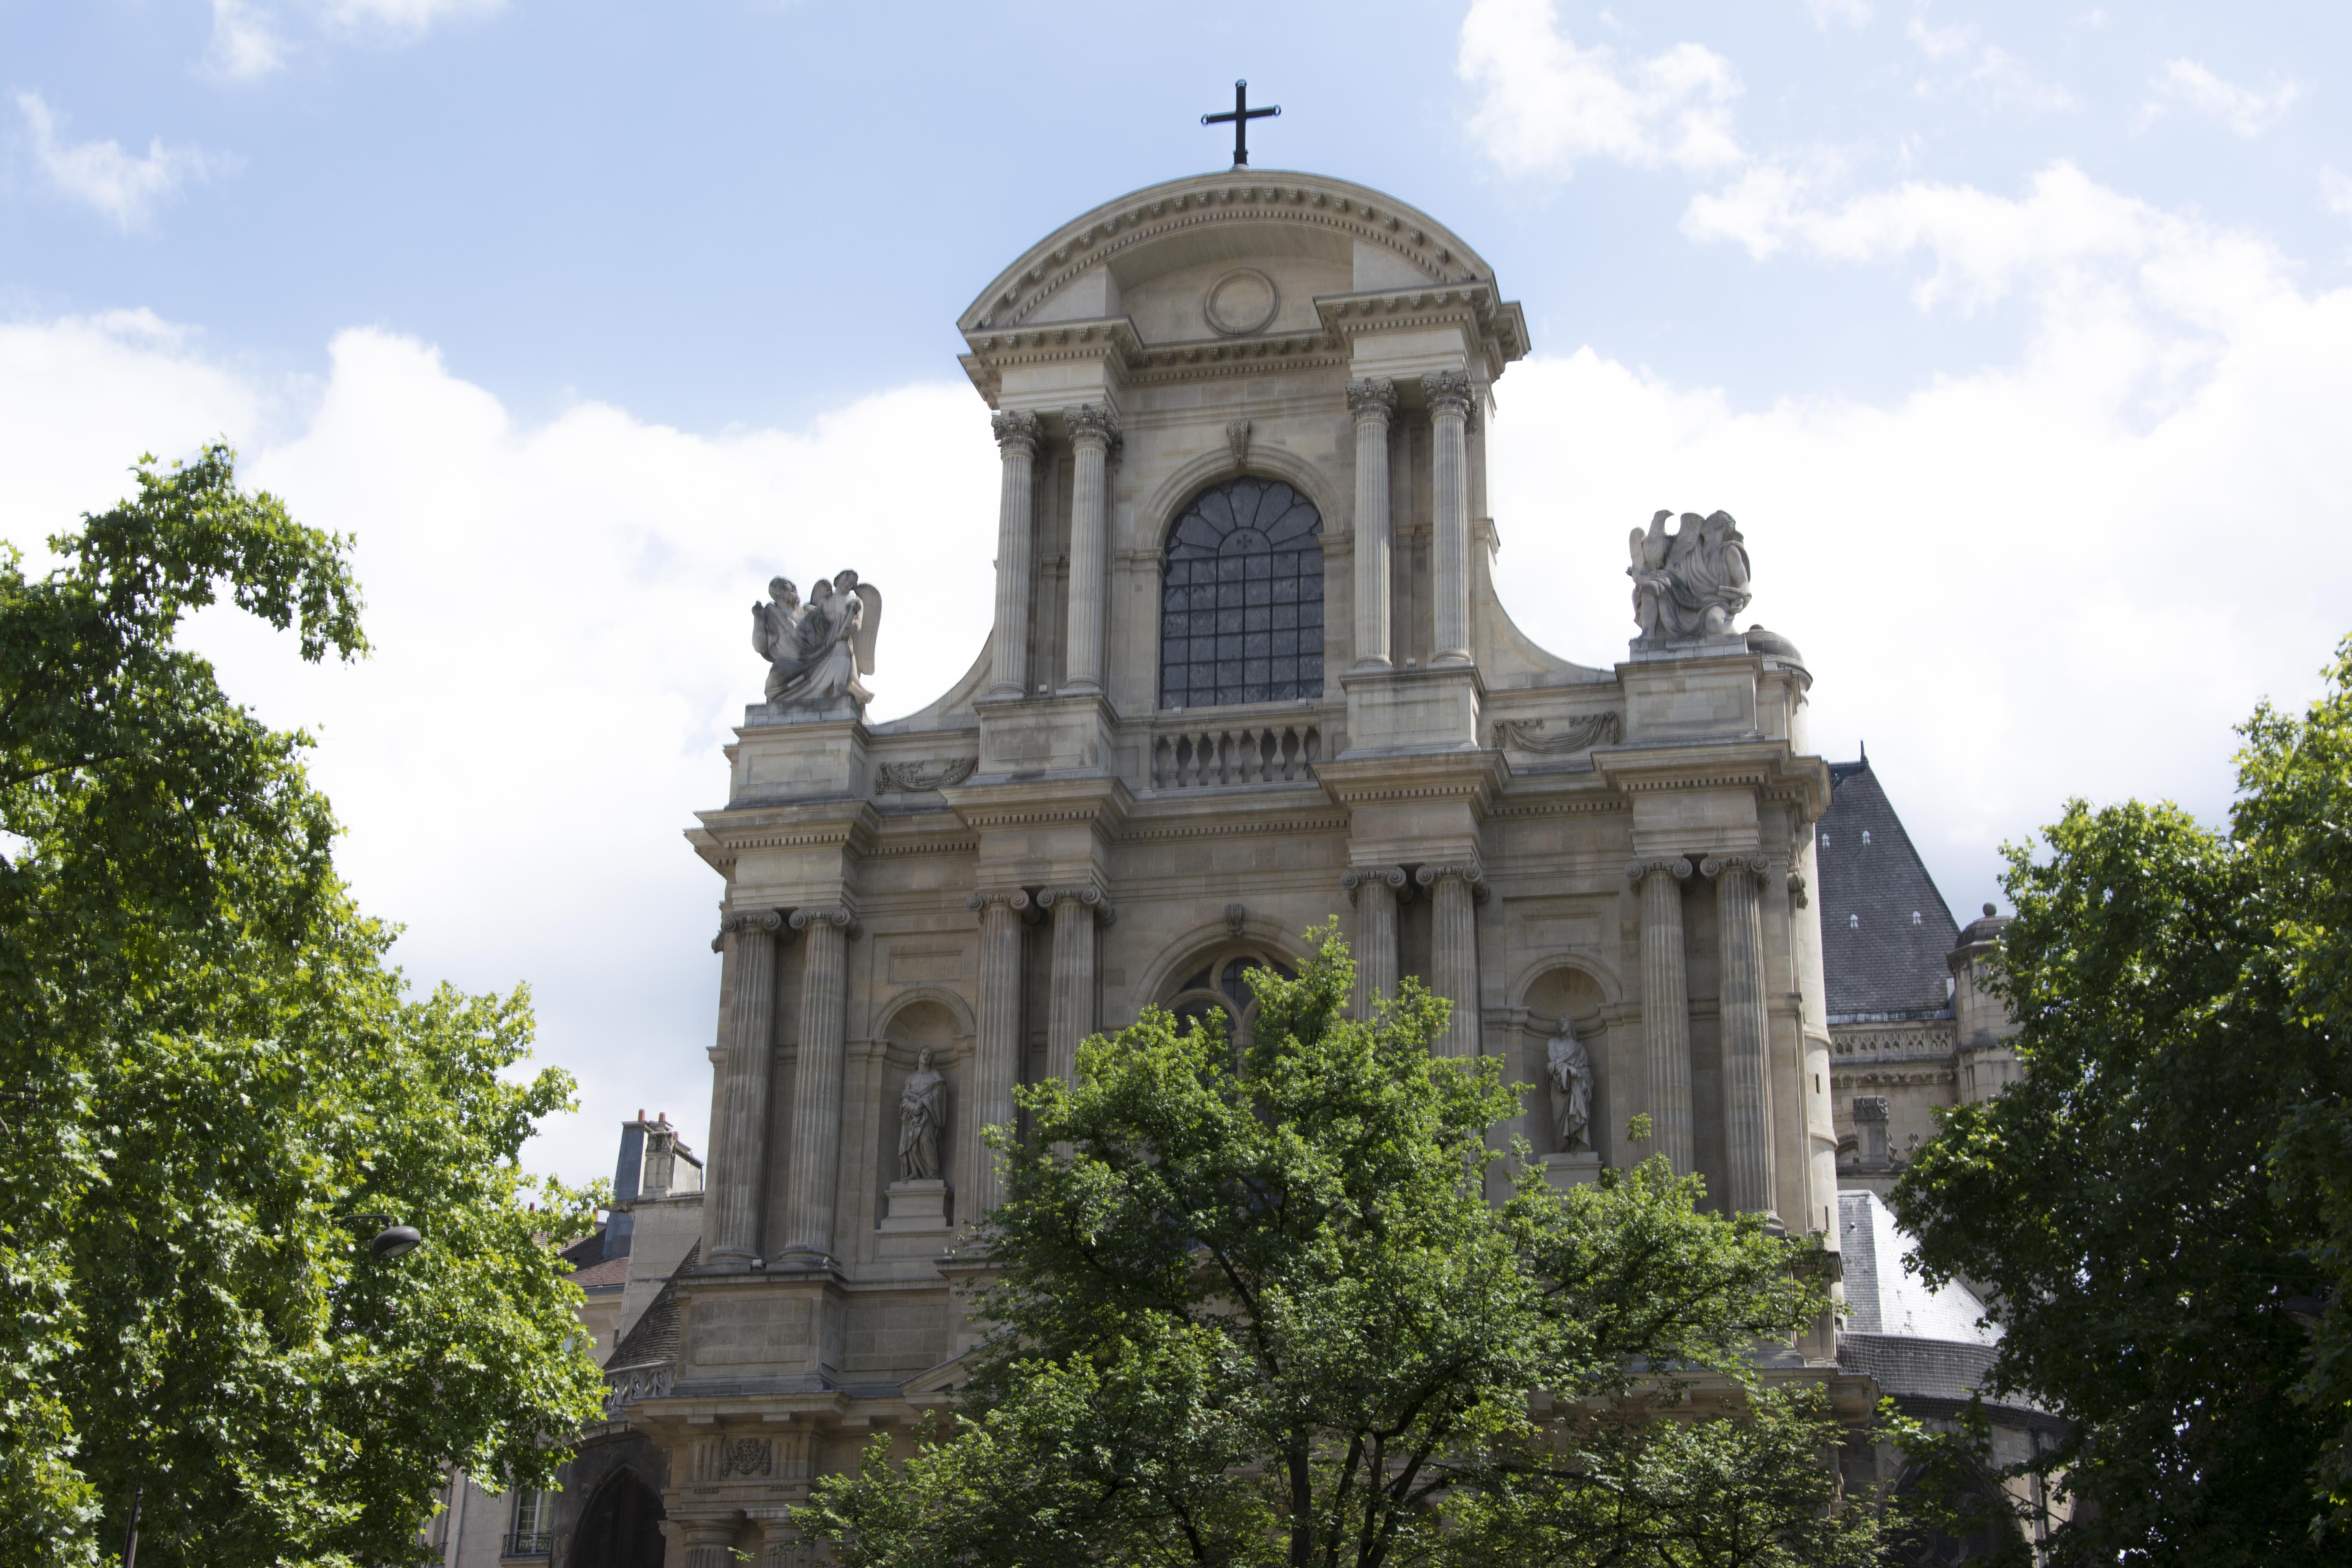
(825, 914)
(1675, 866)
(767, 922)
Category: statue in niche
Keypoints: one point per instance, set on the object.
(1569, 1066)
(1688, 585)
(922, 1118)
(817, 651)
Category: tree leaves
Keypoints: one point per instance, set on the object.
(1265, 1311)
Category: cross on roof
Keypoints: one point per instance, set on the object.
(1241, 117)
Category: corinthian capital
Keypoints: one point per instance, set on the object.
(1447, 392)
(828, 915)
(1639, 871)
(1017, 432)
(1092, 422)
(1372, 398)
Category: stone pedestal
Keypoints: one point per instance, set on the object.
(1411, 710)
(914, 1205)
(1566, 1171)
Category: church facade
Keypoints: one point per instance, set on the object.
(1248, 673)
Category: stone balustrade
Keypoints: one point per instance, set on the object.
(1203, 755)
(625, 1385)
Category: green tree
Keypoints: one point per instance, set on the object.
(2164, 1199)
(213, 1078)
(1264, 1312)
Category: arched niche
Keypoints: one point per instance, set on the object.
(933, 1021)
(1566, 990)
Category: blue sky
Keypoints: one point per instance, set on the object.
(2018, 338)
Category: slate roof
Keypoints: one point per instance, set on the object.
(1876, 962)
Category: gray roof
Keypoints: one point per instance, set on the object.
(1878, 960)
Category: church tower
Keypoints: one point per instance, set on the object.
(1248, 671)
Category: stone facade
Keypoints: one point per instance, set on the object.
(1248, 673)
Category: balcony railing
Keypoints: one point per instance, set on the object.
(625, 1385)
(1201, 754)
(529, 1543)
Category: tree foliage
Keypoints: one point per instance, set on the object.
(212, 1080)
(2167, 1195)
(1264, 1312)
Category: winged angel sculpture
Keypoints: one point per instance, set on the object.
(817, 651)
(1689, 583)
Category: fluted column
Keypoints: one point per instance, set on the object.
(1016, 443)
(1455, 891)
(814, 1176)
(1449, 420)
(1372, 402)
(1070, 1015)
(1746, 1030)
(1373, 891)
(996, 1046)
(739, 1155)
(710, 1543)
(1094, 435)
(1665, 1007)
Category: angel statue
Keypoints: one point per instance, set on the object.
(923, 1116)
(817, 651)
(1570, 1070)
(1690, 584)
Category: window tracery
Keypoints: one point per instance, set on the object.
(1242, 598)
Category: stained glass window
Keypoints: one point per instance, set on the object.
(1242, 603)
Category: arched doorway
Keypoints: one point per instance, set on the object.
(622, 1528)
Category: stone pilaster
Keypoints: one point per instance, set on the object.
(1016, 443)
(1665, 1007)
(815, 1177)
(710, 1543)
(1373, 891)
(1094, 437)
(1455, 891)
(996, 1046)
(1745, 1031)
(1372, 402)
(739, 1155)
(1070, 1015)
(1449, 418)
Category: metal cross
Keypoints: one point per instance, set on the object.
(1241, 117)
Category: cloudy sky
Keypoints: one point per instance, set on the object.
(2017, 337)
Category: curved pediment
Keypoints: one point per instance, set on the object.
(1154, 254)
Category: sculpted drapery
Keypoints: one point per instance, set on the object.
(922, 1118)
(817, 651)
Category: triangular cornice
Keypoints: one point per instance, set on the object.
(1158, 212)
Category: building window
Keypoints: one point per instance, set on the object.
(1865, 837)
(533, 1531)
(1242, 603)
(1914, 917)
(1854, 923)
(1825, 840)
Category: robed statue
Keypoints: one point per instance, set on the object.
(817, 651)
(1569, 1068)
(1690, 584)
(922, 1118)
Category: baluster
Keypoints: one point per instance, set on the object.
(1313, 744)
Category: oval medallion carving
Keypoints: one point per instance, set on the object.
(1241, 301)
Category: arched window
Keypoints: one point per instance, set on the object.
(1242, 605)
(1222, 986)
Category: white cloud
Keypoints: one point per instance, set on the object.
(1983, 71)
(562, 642)
(246, 44)
(2067, 575)
(1941, 43)
(100, 175)
(2335, 191)
(1545, 105)
(401, 15)
(1852, 13)
(2241, 109)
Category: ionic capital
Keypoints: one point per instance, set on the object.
(766, 922)
(1374, 398)
(1092, 424)
(1467, 872)
(1355, 876)
(1013, 899)
(1016, 433)
(1089, 894)
(1640, 871)
(1446, 392)
(1716, 865)
(833, 915)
